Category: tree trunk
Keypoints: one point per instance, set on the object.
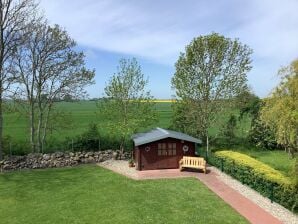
(45, 127)
(32, 129)
(39, 128)
(207, 145)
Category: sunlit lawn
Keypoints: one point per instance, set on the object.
(90, 194)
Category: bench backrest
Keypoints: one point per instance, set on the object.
(193, 161)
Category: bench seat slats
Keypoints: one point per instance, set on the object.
(192, 162)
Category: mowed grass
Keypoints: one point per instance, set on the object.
(90, 194)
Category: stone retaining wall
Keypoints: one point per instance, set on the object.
(58, 159)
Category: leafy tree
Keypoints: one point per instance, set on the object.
(280, 111)
(248, 104)
(15, 16)
(210, 72)
(262, 136)
(230, 128)
(48, 68)
(127, 106)
(89, 140)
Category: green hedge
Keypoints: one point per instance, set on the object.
(259, 176)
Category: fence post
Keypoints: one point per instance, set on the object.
(222, 165)
(98, 144)
(206, 156)
(10, 153)
(72, 145)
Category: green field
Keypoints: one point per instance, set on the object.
(90, 194)
(85, 112)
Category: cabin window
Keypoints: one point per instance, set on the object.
(164, 152)
(159, 152)
(166, 149)
(159, 146)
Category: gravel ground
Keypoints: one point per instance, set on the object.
(274, 209)
(120, 166)
(281, 213)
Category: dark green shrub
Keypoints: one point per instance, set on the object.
(261, 136)
(259, 176)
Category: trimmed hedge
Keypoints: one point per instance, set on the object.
(259, 176)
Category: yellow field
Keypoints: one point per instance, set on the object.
(164, 101)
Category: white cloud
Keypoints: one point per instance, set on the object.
(159, 30)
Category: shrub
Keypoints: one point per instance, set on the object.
(262, 136)
(259, 176)
(92, 140)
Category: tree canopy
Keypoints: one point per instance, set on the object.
(127, 106)
(211, 71)
(280, 111)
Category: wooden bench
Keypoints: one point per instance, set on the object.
(192, 162)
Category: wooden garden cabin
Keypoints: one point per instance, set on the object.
(162, 149)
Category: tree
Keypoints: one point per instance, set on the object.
(15, 15)
(210, 72)
(261, 135)
(230, 128)
(280, 111)
(48, 68)
(127, 106)
(248, 104)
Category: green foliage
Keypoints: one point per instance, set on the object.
(248, 104)
(280, 111)
(258, 176)
(262, 136)
(230, 128)
(295, 172)
(127, 107)
(89, 140)
(210, 72)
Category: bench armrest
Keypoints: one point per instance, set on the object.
(181, 162)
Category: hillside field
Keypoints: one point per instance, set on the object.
(83, 113)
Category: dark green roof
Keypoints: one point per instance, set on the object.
(160, 133)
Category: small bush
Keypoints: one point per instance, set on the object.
(91, 140)
(259, 176)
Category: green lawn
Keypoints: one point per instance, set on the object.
(90, 194)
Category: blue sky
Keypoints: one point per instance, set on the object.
(155, 32)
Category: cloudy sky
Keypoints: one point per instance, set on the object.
(155, 32)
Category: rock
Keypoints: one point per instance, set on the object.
(6, 167)
(90, 159)
(57, 159)
(100, 159)
(115, 155)
(46, 157)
